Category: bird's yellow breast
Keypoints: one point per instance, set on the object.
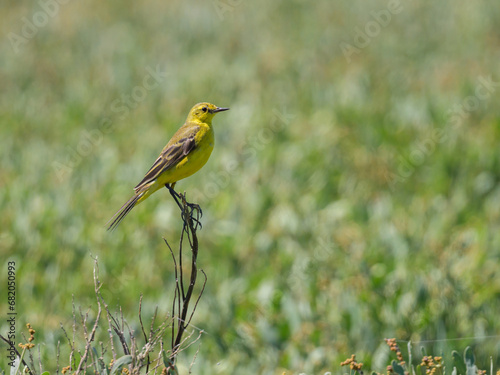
(197, 158)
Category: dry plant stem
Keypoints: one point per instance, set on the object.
(111, 328)
(153, 332)
(69, 343)
(195, 354)
(144, 331)
(135, 361)
(93, 361)
(72, 359)
(103, 352)
(88, 359)
(194, 272)
(120, 333)
(199, 297)
(39, 359)
(159, 360)
(57, 356)
(177, 291)
(89, 340)
(183, 294)
(110, 331)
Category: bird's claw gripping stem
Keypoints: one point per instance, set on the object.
(192, 207)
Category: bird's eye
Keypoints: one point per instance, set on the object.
(204, 109)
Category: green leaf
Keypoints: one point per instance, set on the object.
(45, 373)
(458, 362)
(168, 364)
(103, 369)
(13, 369)
(166, 360)
(410, 359)
(398, 369)
(469, 361)
(120, 362)
(469, 357)
(102, 366)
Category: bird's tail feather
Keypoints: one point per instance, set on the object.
(123, 211)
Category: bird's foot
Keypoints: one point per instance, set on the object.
(195, 212)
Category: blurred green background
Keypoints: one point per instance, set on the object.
(353, 193)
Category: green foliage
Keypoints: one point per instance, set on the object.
(429, 365)
(464, 364)
(397, 368)
(335, 212)
(120, 363)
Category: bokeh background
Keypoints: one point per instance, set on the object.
(353, 193)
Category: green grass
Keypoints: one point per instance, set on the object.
(346, 223)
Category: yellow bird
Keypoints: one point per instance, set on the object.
(187, 151)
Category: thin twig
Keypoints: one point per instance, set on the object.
(109, 316)
(199, 297)
(189, 230)
(180, 261)
(143, 331)
(160, 358)
(72, 359)
(57, 356)
(177, 290)
(94, 328)
(194, 359)
(39, 359)
(115, 326)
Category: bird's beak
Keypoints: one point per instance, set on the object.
(218, 109)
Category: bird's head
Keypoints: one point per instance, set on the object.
(204, 112)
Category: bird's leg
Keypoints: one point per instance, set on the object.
(192, 206)
(174, 194)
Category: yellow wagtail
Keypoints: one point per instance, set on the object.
(187, 151)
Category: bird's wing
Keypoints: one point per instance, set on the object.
(181, 144)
